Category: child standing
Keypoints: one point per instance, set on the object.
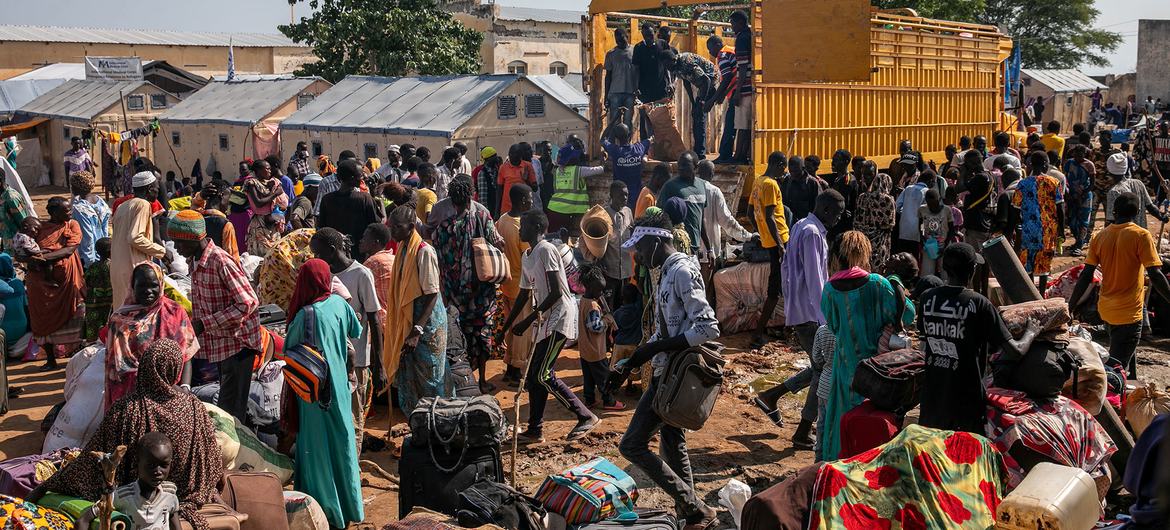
(951, 199)
(151, 501)
(628, 318)
(99, 294)
(592, 335)
(935, 221)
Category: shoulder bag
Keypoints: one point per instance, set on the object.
(306, 370)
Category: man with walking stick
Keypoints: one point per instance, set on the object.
(543, 272)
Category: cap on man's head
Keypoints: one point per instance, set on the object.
(487, 152)
(143, 178)
(961, 255)
(312, 179)
(187, 225)
(394, 149)
(1117, 164)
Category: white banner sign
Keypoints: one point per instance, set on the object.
(113, 68)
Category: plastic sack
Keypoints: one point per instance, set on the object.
(85, 388)
(740, 293)
(304, 513)
(179, 263)
(1090, 379)
(732, 496)
(1051, 314)
(264, 394)
(1143, 405)
(251, 454)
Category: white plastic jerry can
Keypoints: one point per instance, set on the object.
(1051, 497)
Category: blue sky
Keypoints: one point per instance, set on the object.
(262, 16)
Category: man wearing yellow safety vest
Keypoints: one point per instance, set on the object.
(570, 199)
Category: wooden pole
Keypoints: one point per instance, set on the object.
(520, 392)
(109, 463)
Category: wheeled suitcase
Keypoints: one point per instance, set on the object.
(432, 477)
(647, 520)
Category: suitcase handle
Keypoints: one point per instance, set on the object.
(434, 432)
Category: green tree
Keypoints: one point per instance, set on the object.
(385, 37)
(1052, 33)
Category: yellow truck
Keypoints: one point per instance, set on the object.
(832, 74)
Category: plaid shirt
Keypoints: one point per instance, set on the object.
(223, 301)
(299, 165)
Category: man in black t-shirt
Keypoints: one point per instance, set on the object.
(653, 78)
(961, 329)
(348, 210)
(978, 208)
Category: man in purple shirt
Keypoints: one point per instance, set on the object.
(803, 275)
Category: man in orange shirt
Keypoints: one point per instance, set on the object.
(514, 170)
(649, 195)
(1122, 250)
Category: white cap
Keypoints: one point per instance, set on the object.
(143, 178)
(1117, 164)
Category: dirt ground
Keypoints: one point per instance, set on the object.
(737, 442)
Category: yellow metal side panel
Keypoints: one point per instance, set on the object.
(821, 41)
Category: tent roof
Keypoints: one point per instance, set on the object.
(561, 89)
(244, 100)
(1063, 80)
(25, 33)
(426, 106)
(79, 99)
(16, 94)
(55, 71)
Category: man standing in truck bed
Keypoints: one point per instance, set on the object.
(744, 99)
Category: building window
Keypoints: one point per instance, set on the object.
(506, 107)
(68, 134)
(534, 105)
(175, 140)
(371, 150)
(135, 102)
(158, 101)
(518, 67)
(318, 150)
(304, 99)
(223, 142)
(558, 68)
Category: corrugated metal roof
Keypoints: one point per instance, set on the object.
(79, 99)
(540, 15)
(426, 106)
(1063, 80)
(16, 93)
(55, 71)
(561, 89)
(134, 36)
(244, 100)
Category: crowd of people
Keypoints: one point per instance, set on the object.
(856, 254)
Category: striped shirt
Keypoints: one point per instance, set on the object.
(727, 65)
(743, 59)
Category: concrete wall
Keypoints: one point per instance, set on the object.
(1153, 75)
(537, 43)
(1121, 88)
(19, 57)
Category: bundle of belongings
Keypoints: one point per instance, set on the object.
(739, 299)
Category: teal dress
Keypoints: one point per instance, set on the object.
(856, 317)
(423, 372)
(15, 300)
(326, 459)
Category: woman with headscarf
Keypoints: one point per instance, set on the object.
(676, 209)
(326, 457)
(15, 300)
(415, 345)
(570, 198)
(857, 306)
(56, 285)
(91, 213)
(461, 287)
(144, 318)
(875, 214)
(155, 405)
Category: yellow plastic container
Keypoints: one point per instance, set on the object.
(1052, 497)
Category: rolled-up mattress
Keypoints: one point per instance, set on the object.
(1006, 267)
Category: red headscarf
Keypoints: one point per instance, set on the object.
(314, 283)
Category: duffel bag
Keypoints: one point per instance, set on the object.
(891, 380)
(591, 492)
(690, 386)
(1043, 371)
(458, 423)
(490, 502)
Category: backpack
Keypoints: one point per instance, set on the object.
(1044, 369)
(690, 386)
(892, 380)
(489, 502)
(306, 370)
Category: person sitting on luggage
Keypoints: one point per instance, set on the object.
(961, 328)
(683, 319)
(629, 331)
(150, 501)
(592, 338)
(544, 277)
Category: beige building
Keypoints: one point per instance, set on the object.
(368, 114)
(25, 48)
(1066, 95)
(227, 121)
(77, 106)
(521, 40)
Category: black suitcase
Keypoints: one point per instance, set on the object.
(648, 519)
(435, 480)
